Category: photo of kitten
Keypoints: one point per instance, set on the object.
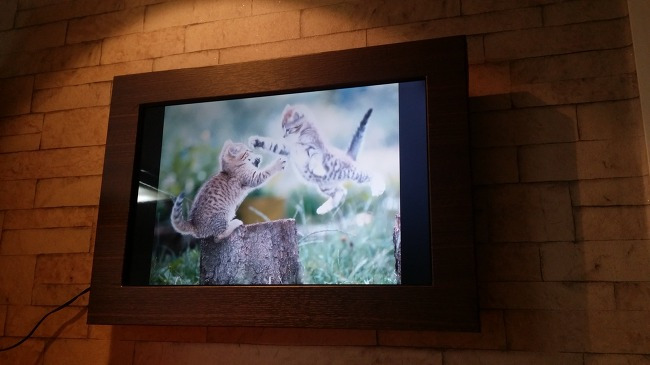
(343, 190)
(316, 161)
(215, 204)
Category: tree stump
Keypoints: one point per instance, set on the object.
(255, 254)
(397, 245)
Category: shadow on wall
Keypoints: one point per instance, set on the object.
(559, 203)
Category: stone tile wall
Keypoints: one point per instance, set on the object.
(559, 169)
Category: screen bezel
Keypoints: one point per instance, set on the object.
(447, 302)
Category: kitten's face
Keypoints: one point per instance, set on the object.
(237, 155)
(293, 122)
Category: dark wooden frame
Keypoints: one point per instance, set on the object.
(450, 303)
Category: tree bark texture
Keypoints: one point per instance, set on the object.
(255, 254)
(397, 245)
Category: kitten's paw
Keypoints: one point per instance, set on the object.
(255, 142)
(232, 226)
(325, 207)
(280, 164)
(377, 186)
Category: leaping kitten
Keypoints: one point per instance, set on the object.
(316, 161)
(213, 210)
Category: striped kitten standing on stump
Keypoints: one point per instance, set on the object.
(213, 211)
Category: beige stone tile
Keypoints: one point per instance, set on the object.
(28, 353)
(356, 15)
(611, 192)
(582, 160)
(547, 295)
(67, 323)
(57, 294)
(292, 336)
(612, 223)
(455, 357)
(548, 331)
(611, 158)
(475, 52)
(89, 351)
(573, 66)
(21, 142)
(501, 21)
(294, 47)
(33, 38)
(78, 161)
(275, 6)
(45, 241)
(633, 296)
(606, 359)
(492, 336)
(22, 124)
(74, 128)
(544, 41)
(548, 162)
(65, 10)
(576, 91)
(494, 165)
(16, 95)
(187, 60)
(508, 262)
(53, 59)
(516, 127)
(610, 119)
(105, 25)
(100, 332)
(7, 12)
(3, 316)
(583, 11)
(619, 332)
(16, 279)
(17, 194)
(243, 31)
(141, 46)
(159, 353)
(486, 6)
(30, 4)
(489, 79)
(596, 261)
(179, 13)
(72, 97)
(63, 269)
(89, 75)
(526, 212)
(50, 218)
(69, 191)
(159, 333)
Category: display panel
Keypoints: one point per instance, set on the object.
(438, 282)
(352, 243)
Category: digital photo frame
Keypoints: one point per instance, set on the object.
(168, 129)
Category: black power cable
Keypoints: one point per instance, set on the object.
(42, 319)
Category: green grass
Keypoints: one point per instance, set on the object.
(350, 245)
(170, 269)
(353, 247)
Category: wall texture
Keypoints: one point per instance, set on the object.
(559, 163)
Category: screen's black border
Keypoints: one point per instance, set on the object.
(448, 302)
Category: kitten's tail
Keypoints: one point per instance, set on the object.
(357, 139)
(180, 225)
